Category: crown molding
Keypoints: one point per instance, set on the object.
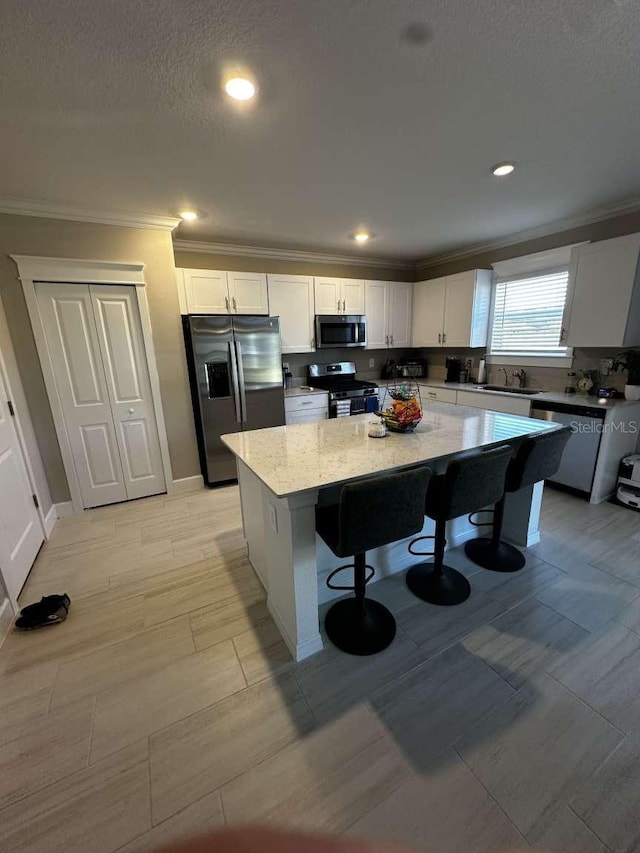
(290, 255)
(560, 225)
(151, 221)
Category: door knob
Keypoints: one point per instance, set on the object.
(132, 411)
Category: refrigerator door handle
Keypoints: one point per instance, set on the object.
(240, 368)
(234, 381)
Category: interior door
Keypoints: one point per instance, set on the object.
(376, 304)
(123, 356)
(257, 343)
(400, 293)
(428, 312)
(248, 292)
(458, 309)
(328, 295)
(20, 530)
(70, 329)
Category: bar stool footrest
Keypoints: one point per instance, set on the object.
(487, 523)
(445, 586)
(360, 627)
(417, 539)
(496, 558)
(372, 572)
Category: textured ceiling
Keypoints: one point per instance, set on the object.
(386, 113)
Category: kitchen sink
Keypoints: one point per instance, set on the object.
(507, 389)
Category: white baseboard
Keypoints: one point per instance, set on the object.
(63, 509)
(187, 484)
(6, 619)
(299, 651)
(50, 521)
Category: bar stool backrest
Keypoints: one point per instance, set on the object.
(471, 482)
(381, 510)
(537, 458)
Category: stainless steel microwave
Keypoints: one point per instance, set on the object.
(340, 330)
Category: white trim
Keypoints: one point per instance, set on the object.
(128, 219)
(532, 360)
(74, 271)
(187, 484)
(559, 225)
(63, 509)
(79, 271)
(536, 263)
(50, 521)
(299, 651)
(6, 618)
(237, 250)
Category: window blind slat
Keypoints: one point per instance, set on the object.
(527, 314)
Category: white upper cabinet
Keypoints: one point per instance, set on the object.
(339, 295)
(291, 299)
(452, 311)
(603, 301)
(248, 292)
(222, 292)
(387, 306)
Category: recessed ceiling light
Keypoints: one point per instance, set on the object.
(240, 88)
(502, 169)
(361, 236)
(188, 215)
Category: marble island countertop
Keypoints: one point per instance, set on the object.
(577, 400)
(297, 458)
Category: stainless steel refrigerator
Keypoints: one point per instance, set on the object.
(235, 370)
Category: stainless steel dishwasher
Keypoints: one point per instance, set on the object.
(580, 457)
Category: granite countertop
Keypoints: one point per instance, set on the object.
(300, 457)
(303, 391)
(543, 396)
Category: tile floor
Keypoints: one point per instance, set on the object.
(167, 703)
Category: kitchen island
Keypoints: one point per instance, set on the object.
(285, 472)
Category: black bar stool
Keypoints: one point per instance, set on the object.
(536, 459)
(469, 483)
(368, 514)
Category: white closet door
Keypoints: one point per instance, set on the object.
(123, 355)
(20, 530)
(70, 329)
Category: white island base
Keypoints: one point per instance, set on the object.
(293, 562)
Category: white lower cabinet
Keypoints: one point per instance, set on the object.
(437, 394)
(306, 408)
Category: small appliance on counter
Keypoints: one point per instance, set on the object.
(628, 492)
(454, 366)
(412, 368)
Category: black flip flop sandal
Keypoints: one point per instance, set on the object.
(51, 610)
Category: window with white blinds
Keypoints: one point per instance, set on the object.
(527, 314)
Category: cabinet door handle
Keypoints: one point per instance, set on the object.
(338, 305)
(439, 337)
(226, 302)
(444, 337)
(391, 339)
(386, 339)
(307, 403)
(344, 304)
(233, 300)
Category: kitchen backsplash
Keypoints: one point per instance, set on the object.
(544, 378)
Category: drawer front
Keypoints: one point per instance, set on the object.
(308, 417)
(440, 395)
(495, 402)
(305, 402)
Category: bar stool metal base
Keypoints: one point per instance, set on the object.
(360, 628)
(496, 557)
(446, 586)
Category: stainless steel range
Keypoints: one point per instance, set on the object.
(347, 395)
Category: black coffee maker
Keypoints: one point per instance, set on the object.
(454, 366)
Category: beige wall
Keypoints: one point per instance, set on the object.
(616, 227)
(26, 235)
(206, 261)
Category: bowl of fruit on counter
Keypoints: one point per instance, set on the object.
(402, 408)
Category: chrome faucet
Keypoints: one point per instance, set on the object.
(506, 376)
(521, 376)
